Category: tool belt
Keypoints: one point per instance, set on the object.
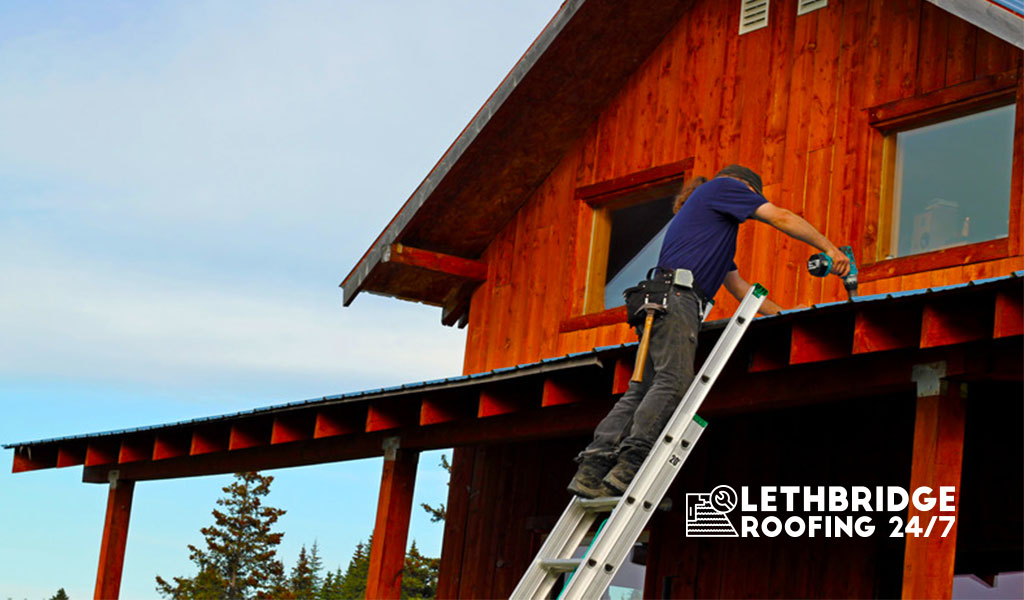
(655, 290)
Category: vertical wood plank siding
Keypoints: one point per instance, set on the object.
(788, 100)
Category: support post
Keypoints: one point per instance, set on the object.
(115, 535)
(387, 553)
(937, 460)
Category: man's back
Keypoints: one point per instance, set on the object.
(702, 235)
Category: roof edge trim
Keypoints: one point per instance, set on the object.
(353, 282)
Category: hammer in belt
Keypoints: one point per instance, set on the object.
(645, 340)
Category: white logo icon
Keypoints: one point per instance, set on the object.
(706, 513)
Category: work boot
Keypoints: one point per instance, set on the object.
(587, 481)
(619, 478)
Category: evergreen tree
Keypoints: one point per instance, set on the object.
(353, 582)
(240, 560)
(419, 577)
(304, 583)
(60, 595)
(331, 588)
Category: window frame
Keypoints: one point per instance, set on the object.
(587, 310)
(892, 118)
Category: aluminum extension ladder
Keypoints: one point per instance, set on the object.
(590, 576)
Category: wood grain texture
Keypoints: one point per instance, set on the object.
(790, 101)
(114, 540)
(937, 460)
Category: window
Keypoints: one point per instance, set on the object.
(635, 240)
(949, 184)
(628, 227)
(621, 240)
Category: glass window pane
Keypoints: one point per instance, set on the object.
(636, 235)
(952, 182)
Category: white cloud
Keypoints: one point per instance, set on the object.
(65, 316)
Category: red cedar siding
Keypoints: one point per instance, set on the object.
(789, 101)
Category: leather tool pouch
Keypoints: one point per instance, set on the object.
(654, 291)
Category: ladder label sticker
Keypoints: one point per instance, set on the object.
(675, 460)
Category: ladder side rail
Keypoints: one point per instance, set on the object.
(611, 548)
(670, 442)
(563, 540)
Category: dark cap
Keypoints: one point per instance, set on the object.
(744, 174)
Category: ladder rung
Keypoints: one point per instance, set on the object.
(560, 565)
(605, 504)
(608, 504)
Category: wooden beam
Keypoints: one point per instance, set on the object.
(115, 536)
(496, 401)
(135, 449)
(392, 413)
(736, 391)
(205, 441)
(623, 373)
(334, 422)
(249, 434)
(101, 453)
(1009, 319)
(394, 505)
(888, 328)
(537, 423)
(69, 455)
(612, 316)
(34, 458)
(171, 445)
(456, 266)
(559, 392)
(292, 429)
(821, 338)
(770, 348)
(443, 410)
(956, 321)
(937, 461)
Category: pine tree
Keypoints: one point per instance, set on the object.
(240, 560)
(304, 583)
(331, 588)
(60, 595)
(419, 577)
(353, 582)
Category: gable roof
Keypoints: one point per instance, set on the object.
(428, 252)
(545, 103)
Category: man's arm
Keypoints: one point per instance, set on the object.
(738, 287)
(795, 226)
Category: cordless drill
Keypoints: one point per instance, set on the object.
(820, 265)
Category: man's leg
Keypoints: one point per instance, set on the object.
(601, 454)
(673, 347)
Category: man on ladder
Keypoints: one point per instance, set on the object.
(696, 259)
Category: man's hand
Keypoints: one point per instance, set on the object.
(840, 261)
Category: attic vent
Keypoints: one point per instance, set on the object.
(753, 15)
(805, 6)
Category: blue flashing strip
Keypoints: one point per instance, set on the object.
(871, 298)
(1016, 6)
(474, 376)
(827, 304)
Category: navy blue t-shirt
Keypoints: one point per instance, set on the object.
(702, 236)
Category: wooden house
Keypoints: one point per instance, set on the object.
(896, 127)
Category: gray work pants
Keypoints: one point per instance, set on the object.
(639, 416)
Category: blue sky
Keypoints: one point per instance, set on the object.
(182, 187)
